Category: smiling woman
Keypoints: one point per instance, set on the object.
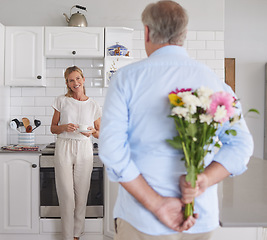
(74, 151)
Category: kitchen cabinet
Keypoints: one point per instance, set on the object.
(70, 42)
(249, 233)
(117, 35)
(2, 53)
(24, 56)
(110, 193)
(19, 198)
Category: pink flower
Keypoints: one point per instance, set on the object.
(181, 90)
(222, 106)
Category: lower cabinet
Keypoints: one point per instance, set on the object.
(19, 198)
(248, 233)
(110, 193)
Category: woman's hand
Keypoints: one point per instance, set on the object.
(58, 129)
(70, 127)
(91, 132)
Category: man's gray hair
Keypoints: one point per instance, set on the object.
(167, 22)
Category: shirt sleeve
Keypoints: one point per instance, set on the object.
(57, 103)
(114, 148)
(236, 150)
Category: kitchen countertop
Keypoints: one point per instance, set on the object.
(244, 198)
(40, 148)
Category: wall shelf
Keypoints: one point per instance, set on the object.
(122, 36)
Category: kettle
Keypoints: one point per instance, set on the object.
(76, 19)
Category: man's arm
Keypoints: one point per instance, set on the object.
(167, 209)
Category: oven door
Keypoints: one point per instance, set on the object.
(49, 206)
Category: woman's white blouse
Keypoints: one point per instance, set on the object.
(76, 112)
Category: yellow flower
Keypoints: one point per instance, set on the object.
(175, 100)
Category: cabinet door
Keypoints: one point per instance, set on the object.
(2, 51)
(19, 198)
(244, 233)
(70, 42)
(24, 57)
(110, 193)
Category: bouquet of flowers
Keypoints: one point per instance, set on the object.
(197, 115)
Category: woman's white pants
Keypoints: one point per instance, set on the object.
(73, 168)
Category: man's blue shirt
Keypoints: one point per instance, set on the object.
(135, 126)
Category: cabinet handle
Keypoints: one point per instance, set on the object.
(34, 165)
(39, 77)
(73, 52)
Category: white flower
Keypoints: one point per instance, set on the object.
(204, 97)
(220, 113)
(191, 102)
(182, 94)
(192, 120)
(207, 118)
(204, 92)
(205, 102)
(180, 111)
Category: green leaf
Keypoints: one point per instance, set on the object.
(191, 175)
(253, 110)
(175, 144)
(217, 145)
(231, 131)
(192, 130)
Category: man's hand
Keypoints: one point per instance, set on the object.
(167, 209)
(212, 174)
(188, 192)
(170, 214)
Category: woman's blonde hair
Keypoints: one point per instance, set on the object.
(68, 71)
(167, 22)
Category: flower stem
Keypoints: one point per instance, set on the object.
(189, 209)
(186, 155)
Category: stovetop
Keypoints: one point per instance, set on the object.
(50, 149)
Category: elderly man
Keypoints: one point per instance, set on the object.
(134, 130)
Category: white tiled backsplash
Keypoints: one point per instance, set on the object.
(35, 102)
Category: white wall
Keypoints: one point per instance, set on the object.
(204, 14)
(246, 41)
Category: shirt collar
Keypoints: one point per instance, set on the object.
(170, 49)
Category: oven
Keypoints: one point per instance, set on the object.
(49, 206)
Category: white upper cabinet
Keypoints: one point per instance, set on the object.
(2, 53)
(24, 56)
(70, 42)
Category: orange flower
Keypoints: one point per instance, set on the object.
(175, 100)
